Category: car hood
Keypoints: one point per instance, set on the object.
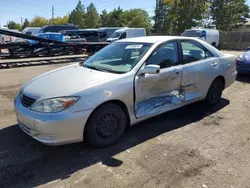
(65, 81)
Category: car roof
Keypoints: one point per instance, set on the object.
(200, 29)
(153, 39)
(89, 29)
(54, 33)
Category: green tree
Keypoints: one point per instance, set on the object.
(14, 25)
(227, 13)
(39, 21)
(160, 17)
(25, 24)
(78, 15)
(104, 18)
(184, 14)
(137, 18)
(60, 20)
(92, 19)
(115, 18)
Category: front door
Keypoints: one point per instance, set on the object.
(199, 65)
(158, 93)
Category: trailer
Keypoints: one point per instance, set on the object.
(22, 47)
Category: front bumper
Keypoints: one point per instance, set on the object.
(243, 67)
(52, 128)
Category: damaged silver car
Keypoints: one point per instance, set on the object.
(124, 83)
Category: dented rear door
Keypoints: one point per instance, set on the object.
(200, 67)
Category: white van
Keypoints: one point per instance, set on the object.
(211, 36)
(127, 33)
(106, 32)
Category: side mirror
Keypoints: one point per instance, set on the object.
(150, 69)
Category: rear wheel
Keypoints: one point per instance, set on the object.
(214, 44)
(106, 125)
(215, 91)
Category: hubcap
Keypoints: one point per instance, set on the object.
(107, 125)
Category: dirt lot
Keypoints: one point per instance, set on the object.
(191, 147)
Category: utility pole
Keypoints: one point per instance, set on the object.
(53, 14)
(21, 20)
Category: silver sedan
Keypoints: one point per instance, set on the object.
(124, 83)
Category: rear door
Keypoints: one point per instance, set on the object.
(158, 93)
(200, 67)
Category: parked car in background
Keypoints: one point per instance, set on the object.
(243, 63)
(211, 36)
(57, 28)
(31, 30)
(124, 83)
(127, 33)
(6, 38)
(106, 32)
(91, 35)
(50, 35)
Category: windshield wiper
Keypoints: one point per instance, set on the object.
(95, 68)
(102, 69)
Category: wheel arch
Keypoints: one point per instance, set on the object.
(222, 78)
(218, 77)
(119, 103)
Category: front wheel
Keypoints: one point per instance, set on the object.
(215, 92)
(106, 125)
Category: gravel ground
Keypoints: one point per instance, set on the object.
(191, 147)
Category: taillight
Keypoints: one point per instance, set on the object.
(10, 38)
(3, 39)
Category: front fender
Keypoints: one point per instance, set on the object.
(94, 96)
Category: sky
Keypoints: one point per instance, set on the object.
(17, 9)
(20, 9)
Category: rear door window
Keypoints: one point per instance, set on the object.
(193, 51)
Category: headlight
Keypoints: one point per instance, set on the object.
(54, 105)
(241, 58)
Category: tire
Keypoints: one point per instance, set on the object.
(11, 52)
(105, 126)
(215, 92)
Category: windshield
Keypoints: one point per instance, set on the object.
(117, 57)
(116, 34)
(191, 33)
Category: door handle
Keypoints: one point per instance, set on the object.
(214, 64)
